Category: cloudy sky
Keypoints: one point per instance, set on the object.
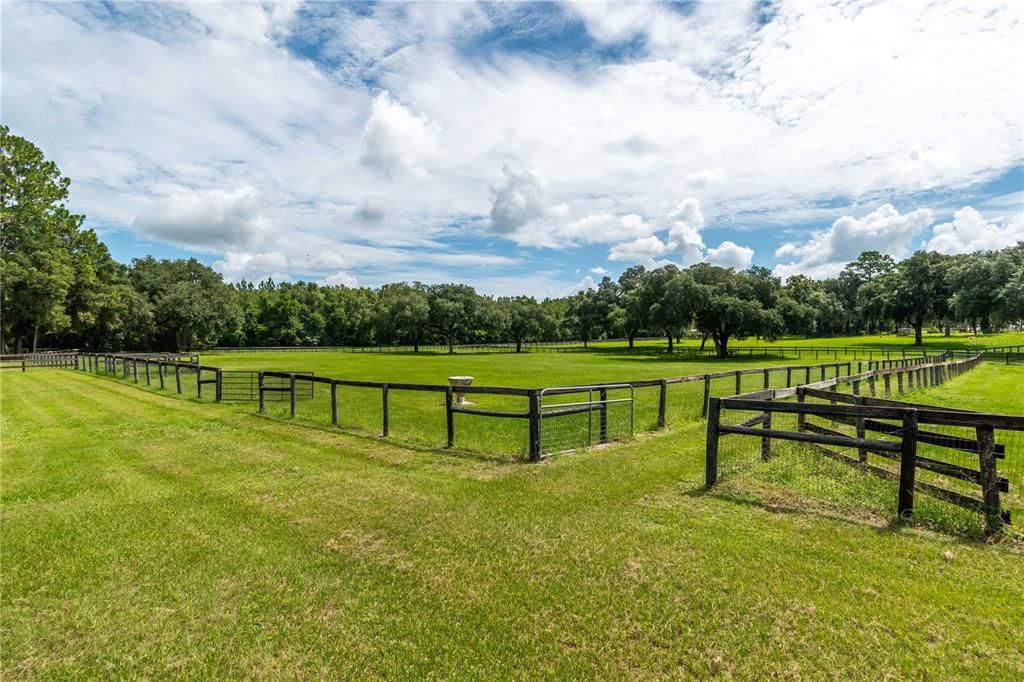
(526, 147)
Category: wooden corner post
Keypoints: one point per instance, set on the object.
(908, 464)
(535, 435)
(449, 416)
(989, 477)
(711, 447)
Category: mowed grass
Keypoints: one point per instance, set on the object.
(804, 478)
(419, 418)
(145, 535)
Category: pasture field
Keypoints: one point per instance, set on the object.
(145, 535)
(419, 417)
(799, 473)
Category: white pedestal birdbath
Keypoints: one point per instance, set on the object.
(458, 382)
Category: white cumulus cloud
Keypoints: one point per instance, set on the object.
(395, 138)
(206, 219)
(825, 252)
(643, 250)
(969, 231)
(731, 255)
(253, 267)
(340, 279)
(522, 199)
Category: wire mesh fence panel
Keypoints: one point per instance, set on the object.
(684, 402)
(964, 471)
(361, 409)
(417, 417)
(488, 434)
(575, 419)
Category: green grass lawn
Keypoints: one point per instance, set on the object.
(145, 535)
(802, 476)
(419, 418)
(931, 341)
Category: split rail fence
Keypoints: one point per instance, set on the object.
(889, 439)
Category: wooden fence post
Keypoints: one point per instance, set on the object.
(219, 385)
(789, 377)
(160, 371)
(385, 426)
(707, 395)
(908, 464)
(334, 403)
(535, 435)
(662, 403)
(739, 383)
(887, 380)
(862, 453)
(177, 377)
(263, 399)
(899, 383)
(711, 446)
(291, 396)
(449, 416)
(807, 371)
(989, 477)
(602, 432)
(766, 441)
(199, 382)
(801, 418)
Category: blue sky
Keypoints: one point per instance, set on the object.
(526, 147)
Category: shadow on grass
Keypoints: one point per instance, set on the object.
(396, 441)
(648, 357)
(885, 525)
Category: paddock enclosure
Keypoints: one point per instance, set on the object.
(531, 422)
(523, 421)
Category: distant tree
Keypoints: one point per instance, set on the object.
(920, 291)
(454, 309)
(191, 304)
(351, 315)
(667, 299)
(38, 236)
(1010, 296)
(586, 315)
(870, 266)
(727, 304)
(402, 313)
(628, 315)
(522, 319)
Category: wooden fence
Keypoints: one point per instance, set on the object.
(898, 425)
(184, 374)
(621, 346)
(24, 361)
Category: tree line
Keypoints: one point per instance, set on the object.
(59, 287)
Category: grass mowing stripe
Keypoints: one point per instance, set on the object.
(260, 549)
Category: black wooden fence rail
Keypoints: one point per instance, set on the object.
(298, 386)
(869, 414)
(24, 361)
(385, 388)
(818, 352)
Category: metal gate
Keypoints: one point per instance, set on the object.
(244, 386)
(567, 420)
